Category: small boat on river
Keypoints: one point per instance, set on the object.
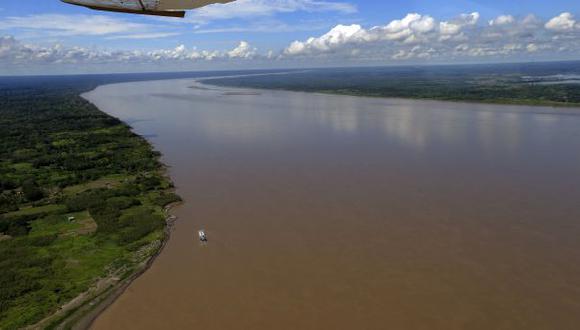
(202, 235)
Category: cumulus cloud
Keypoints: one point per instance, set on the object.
(17, 53)
(412, 29)
(502, 20)
(244, 50)
(407, 29)
(420, 37)
(562, 23)
(337, 37)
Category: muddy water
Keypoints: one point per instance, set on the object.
(332, 212)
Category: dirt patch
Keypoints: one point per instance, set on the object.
(88, 226)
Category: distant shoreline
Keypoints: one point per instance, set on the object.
(208, 82)
(337, 93)
(489, 102)
(538, 84)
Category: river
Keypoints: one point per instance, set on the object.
(338, 212)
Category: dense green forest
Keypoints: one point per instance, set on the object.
(555, 83)
(81, 197)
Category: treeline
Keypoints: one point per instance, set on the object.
(497, 83)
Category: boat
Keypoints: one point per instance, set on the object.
(202, 235)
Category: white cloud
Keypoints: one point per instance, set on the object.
(338, 36)
(419, 37)
(411, 22)
(57, 25)
(469, 19)
(244, 50)
(562, 23)
(532, 48)
(71, 25)
(407, 29)
(502, 20)
(447, 28)
(16, 53)
(412, 29)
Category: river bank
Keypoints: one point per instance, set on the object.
(81, 312)
(83, 319)
(82, 206)
(531, 84)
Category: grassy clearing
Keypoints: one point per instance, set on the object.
(29, 210)
(109, 181)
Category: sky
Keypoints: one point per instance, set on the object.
(51, 37)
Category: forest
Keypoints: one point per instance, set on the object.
(551, 83)
(81, 196)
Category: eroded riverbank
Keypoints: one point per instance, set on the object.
(333, 212)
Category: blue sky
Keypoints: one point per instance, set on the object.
(276, 33)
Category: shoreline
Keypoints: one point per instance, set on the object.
(90, 305)
(553, 105)
(86, 320)
(86, 314)
(82, 315)
(81, 312)
(498, 101)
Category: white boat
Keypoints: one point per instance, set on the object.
(202, 235)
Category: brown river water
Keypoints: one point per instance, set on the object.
(337, 212)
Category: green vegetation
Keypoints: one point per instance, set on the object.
(81, 198)
(556, 83)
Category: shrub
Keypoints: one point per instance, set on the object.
(138, 225)
(165, 199)
(31, 191)
(106, 218)
(122, 202)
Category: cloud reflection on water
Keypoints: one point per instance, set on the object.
(250, 117)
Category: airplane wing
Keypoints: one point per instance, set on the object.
(172, 8)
